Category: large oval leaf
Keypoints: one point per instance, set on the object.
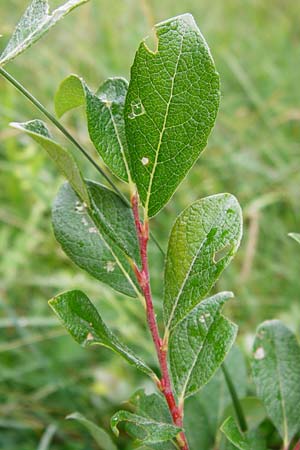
(202, 243)
(276, 372)
(170, 109)
(86, 235)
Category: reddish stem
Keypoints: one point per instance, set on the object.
(297, 447)
(143, 278)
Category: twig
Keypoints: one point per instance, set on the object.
(143, 278)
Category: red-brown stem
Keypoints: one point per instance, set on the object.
(143, 278)
(297, 447)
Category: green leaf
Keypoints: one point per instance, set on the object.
(35, 22)
(252, 440)
(61, 157)
(100, 436)
(105, 117)
(148, 431)
(295, 236)
(276, 372)
(82, 320)
(114, 219)
(70, 95)
(234, 435)
(199, 344)
(197, 426)
(204, 412)
(202, 243)
(86, 235)
(151, 406)
(171, 106)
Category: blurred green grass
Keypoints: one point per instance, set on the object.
(253, 153)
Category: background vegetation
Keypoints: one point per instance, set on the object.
(252, 153)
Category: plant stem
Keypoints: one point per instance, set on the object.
(297, 446)
(143, 278)
(66, 133)
(58, 125)
(235, 400)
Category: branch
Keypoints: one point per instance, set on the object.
(143, 278)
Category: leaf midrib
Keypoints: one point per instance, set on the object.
(162, 131)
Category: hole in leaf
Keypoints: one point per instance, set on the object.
(137, 109)
(151, 42)
(222, 253)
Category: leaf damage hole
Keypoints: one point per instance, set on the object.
(222, 253)
(137, 109)
(80, 207)
(151, 42)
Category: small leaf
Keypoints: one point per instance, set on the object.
(105, 117)
(61, 157)
(148, 431)
(171, 106)
(35, 22)
(276, 372)
(83, 322)
(151, 406)
(85, 235)
(100, 436)
(295, 236)
(70, 95)
(199, 344)
(234, 435)
(199, 234)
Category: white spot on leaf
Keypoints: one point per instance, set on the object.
(145, 161)
(259, 353)
(93, 230)
(84, 221)
(89, 337)
(110, 266)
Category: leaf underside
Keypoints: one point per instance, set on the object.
(62, 158)
(203, 241)
(96, 238)
(295, 236)
(276, 372)
(170, 109)
(105, 117)
(199, 344)
(35, 22)
(147, 431)
(81, 319)
(152, 406)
